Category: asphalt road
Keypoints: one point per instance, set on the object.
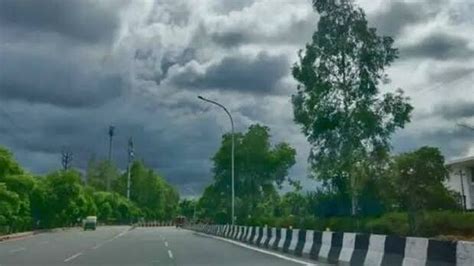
(118, 245)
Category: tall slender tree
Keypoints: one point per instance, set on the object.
(338, 103)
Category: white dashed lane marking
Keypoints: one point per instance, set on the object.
(170, 254)
(17, 250)
(166, 244)
(73, 257)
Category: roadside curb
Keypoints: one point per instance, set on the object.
(32, 233)
(16, 236)
(344, 248)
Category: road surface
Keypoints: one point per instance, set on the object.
(118, 245)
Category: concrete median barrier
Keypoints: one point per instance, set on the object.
(348, 248)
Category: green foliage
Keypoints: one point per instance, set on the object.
(150, 192)
(338, 102)
(294, 203)
(390, 224)
(327, 203)
(113, 208)
(101, 172)
(8, 165)
(9, 207)
(187, 207)
(258, 167)
(415, 183)
(434, 223)
(62, 199)
(15, 185)
(22, 186)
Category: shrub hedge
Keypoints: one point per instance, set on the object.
(434, 224)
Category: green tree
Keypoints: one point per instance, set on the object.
(187, 208)
(294, 203)
(8, 165)
(113, 208)
(62, 199)
(22, 185)
(415, 183)
(15, 189)
(338, 102)
(259, 167)
(151, 192)
(9, 207)
(98, 172)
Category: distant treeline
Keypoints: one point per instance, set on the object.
(62, 198)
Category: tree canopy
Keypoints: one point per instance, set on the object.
(259, 168)
(62, 198)
(415, 184)
(338, 103)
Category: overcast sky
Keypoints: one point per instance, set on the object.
(69, 69)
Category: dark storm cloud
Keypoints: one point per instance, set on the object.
(177, 145)
(399, 14)
(252, 75)
(452, 141)
(451, 74)
(62, 81)
(297, 32)
(393, 19)
(83, 20)
(439, 46)
(224, 7)
(454, 110)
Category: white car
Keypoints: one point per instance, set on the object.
(90, 222)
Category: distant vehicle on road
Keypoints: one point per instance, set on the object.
(179, 221)
(90, 222)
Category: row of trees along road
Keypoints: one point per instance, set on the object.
(348, 123)
(62, 198)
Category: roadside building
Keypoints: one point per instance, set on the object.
(461, 179)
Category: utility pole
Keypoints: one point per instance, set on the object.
(66, 159)
(463, 196)
(111, 135)
(131, 155)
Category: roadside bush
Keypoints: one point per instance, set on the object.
(389, 224)
(448, 223)
(432, 224)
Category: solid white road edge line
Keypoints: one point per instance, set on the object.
(170, 254)
(73, 257)
(260, 250)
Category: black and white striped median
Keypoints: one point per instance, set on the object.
(349, 248)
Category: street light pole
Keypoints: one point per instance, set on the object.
(232, 155)
(111, 135)
(131, 155)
